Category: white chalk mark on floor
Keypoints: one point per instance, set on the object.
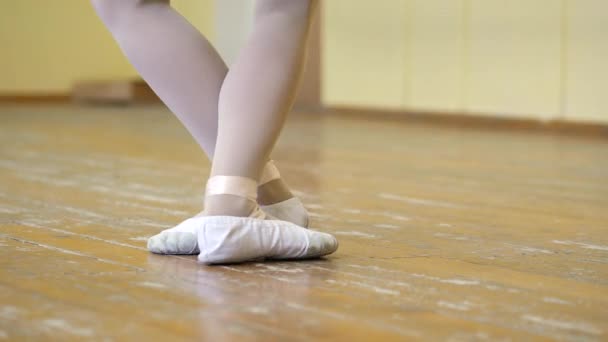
(151, 285)
(464, 306)
(354, 233)
(459, 282)
(351, 211)
(417, 201)
(10, 312)
(565, 325)
(139, 238)
(65, 326)
(581, 244)
(386, 226)
(451, 236)
(556, 301)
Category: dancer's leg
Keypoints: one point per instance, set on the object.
(178, 63)
(182, 68)
(257, 94)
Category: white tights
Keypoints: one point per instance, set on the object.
(235, 115)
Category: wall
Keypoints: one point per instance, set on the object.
(586, 65)
(363, 53)
(542, 59)
(48, 45)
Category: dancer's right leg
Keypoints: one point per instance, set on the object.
(187, 73)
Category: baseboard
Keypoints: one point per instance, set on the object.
(140, 92)
(91, 92)
(35, 98)
(127, 91)
(479, 121)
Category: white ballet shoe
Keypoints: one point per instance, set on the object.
(228, 239)
(291, 210)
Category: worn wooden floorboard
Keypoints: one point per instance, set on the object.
(446, 233)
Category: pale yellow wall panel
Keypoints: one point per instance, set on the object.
(49, 45)
(587, 61)
(363, 53)
(514, 58)
(434, 78)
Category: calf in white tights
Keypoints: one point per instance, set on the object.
(235, 116)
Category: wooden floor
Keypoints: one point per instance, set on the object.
(445, 233)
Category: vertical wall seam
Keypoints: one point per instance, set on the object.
(406, 48)
(465, 55)
(564, 34)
